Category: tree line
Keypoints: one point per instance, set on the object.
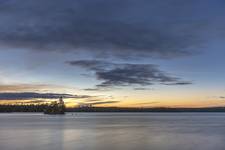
(43, 107)
(23, 108)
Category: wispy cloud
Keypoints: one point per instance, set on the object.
(99, 102)
(22, 87)
(142, 89)
(115, 74)
(32, 96)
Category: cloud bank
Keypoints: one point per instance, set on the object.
(122, 29)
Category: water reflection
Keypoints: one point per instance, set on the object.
(113, 131)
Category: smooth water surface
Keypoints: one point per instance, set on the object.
(113, 131)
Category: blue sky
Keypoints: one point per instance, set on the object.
(120, 53)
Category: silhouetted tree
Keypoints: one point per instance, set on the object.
(55, 107)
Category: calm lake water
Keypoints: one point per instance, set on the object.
(113, 131)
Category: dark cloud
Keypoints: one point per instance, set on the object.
(147, 103)
(98, 102)
(91, 89)
(142, 89)
(124, 29)
(96, 89)
(104, 102)
(92, 100)
(179, 83)
(32, 95)
(114, 74)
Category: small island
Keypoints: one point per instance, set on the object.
(56, 107)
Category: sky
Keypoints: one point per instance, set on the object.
(145, 53)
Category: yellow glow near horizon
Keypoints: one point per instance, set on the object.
(137, 103)
(127, 98)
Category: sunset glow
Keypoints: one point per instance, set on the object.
(135, 54)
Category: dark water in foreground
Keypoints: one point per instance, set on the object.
(113, 131)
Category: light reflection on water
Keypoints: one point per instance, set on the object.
(113, 131)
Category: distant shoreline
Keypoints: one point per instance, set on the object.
(162, 109)
(41, 108)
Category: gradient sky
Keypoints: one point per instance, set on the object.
(130, 53)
